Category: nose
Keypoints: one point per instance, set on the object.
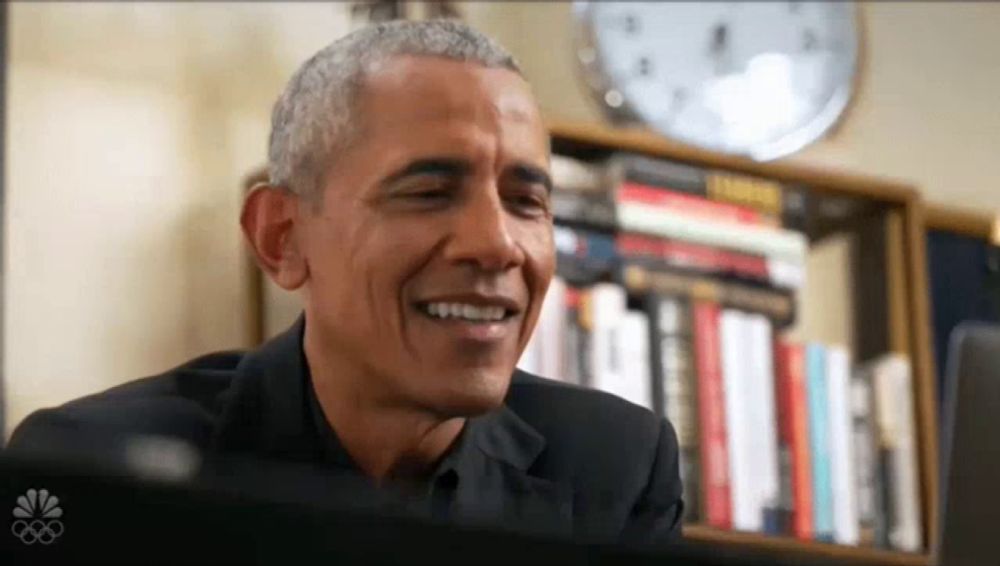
(482, 234)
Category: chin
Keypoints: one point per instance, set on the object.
(484, 392)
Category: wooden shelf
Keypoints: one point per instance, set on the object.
(791, 546)
(970, 223)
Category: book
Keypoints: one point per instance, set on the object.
(762, 195)
(550, 329)
(777, 304)
(584, 256)
(677, 381)
(606, 303)
(574, 175)
(688, 204)
(633, 347)
(871, 502)
(895, 417)
(793, 431)
(772, 242)
(819, 441)
(573, 342)
(625, 167)
(714, 452)
(842, 473)
(662, 253)
(733, 341)
(761, 419)
(586, 209)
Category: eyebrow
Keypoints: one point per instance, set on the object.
(442, 166)
(452, 167)
(531, 174)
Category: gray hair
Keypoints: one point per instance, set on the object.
(315, 116)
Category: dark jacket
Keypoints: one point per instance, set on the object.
(567, 459)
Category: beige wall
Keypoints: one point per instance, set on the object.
(129, 127)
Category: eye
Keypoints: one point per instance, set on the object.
(530, 202)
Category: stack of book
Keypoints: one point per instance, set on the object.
(673, 287)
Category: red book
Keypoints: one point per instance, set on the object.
(712, 417)
(695, 256)
(793, 431)
(690, 205)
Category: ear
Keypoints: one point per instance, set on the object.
(269, 220)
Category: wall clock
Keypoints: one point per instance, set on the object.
(761, 79)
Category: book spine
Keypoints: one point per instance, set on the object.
(759, 194)
(607, 308)
(712, 417)
(735, 386)
(571, 348)
(894, 397)
(819, 436)
(871, 517)
(842, 458)
(637, 380)
(585, 328)
(596, 210)
(763, 436)
(689, 205)
(776, 304)
(771, 242)
(584, 256)
(550, 330)
(671, 254)
(680, 395)
(792, 375)
(658, 172)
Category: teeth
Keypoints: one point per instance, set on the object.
(465, 311)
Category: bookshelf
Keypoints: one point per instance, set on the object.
(890, 286)
(889, 280)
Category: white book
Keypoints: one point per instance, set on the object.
(607, 309)
(636, 385)
(895, 414)
(550, 331)
(774, 243)
(843, 475)
(733, 341)
(762, 437)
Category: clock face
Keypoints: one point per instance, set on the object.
(761, 79)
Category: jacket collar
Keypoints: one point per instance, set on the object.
(266, 412)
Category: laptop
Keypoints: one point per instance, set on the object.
(970, 449)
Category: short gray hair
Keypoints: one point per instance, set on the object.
(315, 116)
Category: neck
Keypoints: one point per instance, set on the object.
(386, 440)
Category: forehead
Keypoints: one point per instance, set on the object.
(418, 96)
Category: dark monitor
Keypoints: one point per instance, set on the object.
(970, 470)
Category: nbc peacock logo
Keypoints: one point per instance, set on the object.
(36, 517)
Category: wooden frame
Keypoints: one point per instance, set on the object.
(906, 298)
(962, 222)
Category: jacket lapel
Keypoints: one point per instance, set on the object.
(265, 413)
(496, 487)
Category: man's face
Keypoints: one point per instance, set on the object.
(431, 252)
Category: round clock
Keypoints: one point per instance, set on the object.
(762, 79)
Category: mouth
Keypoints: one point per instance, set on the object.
(476, 317)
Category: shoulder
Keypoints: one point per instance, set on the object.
(584, 426)
(183, 402)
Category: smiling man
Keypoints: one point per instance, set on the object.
(408, 203)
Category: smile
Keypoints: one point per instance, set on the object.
(465, 311)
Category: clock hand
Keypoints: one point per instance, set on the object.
(719, 49)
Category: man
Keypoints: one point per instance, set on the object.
(409, 204)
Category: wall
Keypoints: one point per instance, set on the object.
(129, 127)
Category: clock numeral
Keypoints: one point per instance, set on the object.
(809, 41)
(644, 67)
(630, 23)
